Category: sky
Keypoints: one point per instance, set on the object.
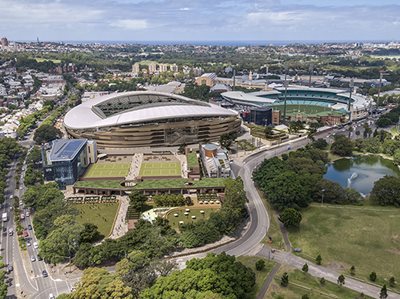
(202, 20)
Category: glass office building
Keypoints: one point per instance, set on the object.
(64, 160)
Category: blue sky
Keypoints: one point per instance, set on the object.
(266, 20)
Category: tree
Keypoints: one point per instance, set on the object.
(320, 144)
(99, 283)
(90, 233)
(305, 268)
(285, 279)
(322, 281)
(46, 133)
(383, 294)
(137, 200)
(396, 157)
(290, 217)
(318, 259)
(352, 271)
(63, 241)
(372, 276)
(392, 282)
(386, 191)
(341, 280)
(226, 140)
(342, 146)
(383, 122)
(305, 296)
(268, 132)
(260, 265)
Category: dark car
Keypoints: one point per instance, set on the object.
(29, 227)
(44, 273)
(10, 268)
(39, 258)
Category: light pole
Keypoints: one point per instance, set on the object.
(322, 197)
(351, 85)
(284, 105)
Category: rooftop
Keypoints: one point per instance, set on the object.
(180, 183)
(66, 149)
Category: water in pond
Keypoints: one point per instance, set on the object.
(360, 172)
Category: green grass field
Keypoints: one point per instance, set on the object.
(301, 283)
(160, 169)
(261, 276)
(308, 110)
(367, 237)
(101, 215)
(174, 221)
(108, 170)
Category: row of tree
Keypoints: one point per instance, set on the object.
(139, 276)
(9, 150)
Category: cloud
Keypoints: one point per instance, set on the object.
(130, 24)
(184, 8)
(276, 17)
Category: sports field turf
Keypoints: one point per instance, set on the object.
(308, 110)
(367, 237)
(108, 170)
(160, 169)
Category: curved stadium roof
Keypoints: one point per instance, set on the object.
(138, 107)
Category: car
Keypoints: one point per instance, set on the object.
(35, 245)
(297, 249)
(39, 258)
(28, 243)
(33, 259)
(44, 273)
(27, 214)
(10, 232)
(51, 296)
(29, 227)
(25, 234)
(10, 268)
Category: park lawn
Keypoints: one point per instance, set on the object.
(100, 214)
(174, 221)
(301, 283)
(367, 237)
(261, 276)
(108, 170)
(160, 169)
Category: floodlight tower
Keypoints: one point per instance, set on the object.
(286, 86)
(311, 69)
(351, 85)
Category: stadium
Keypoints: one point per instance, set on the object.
(304, 103)
(149, 119)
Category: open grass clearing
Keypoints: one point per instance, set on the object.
(55, 61)
(102, 215)
(301, 283)
(108, 170)
(261, 276)
(160, 169)
(194, 211)
(367, 237)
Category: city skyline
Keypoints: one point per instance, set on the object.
(152, 20)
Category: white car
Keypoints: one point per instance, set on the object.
(35, 245)
(33, 259)
(51, 296)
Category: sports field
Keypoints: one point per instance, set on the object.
(312, 110)
(108, 170)
(160, 169)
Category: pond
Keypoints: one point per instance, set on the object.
(360, 172)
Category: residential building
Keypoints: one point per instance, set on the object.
(136, 68)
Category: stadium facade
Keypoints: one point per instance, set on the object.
(149, 119)
(304, 103)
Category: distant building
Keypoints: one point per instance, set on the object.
(258, 115)
(152, 68)
(174, 68)
(135, 68)
(163, 68)
(206, 79)
(215, 161)
(64, 160)
(4, 42)
(89, 95)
